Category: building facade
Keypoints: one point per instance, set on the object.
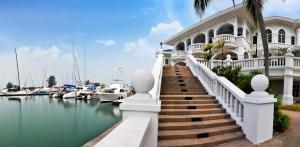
(242, 42)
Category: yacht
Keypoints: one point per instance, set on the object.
(116, 90)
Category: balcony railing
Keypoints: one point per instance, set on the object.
(228, 38)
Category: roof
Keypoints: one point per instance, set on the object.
(240, 7)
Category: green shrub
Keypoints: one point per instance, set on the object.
(234, 75)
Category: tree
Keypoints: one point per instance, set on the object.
(9, 85)
(51, 81)
(208, 52)
(255, 10)
(87, 82)
(220, 45)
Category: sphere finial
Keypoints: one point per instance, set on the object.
(228, 56)
(259, 82)
(142, 81)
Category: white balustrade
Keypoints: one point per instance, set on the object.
(246, 110)
(228, 38)
(196, 47)
(139, 112)
(296, 62)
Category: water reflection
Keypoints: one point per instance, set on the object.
(68, 122)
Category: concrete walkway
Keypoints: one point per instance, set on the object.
(290, 138)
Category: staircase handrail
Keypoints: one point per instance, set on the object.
(229, 95)
(157, 73)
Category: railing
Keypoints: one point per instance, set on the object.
(296, 62)
(196, 47)
(139, 112)
(229, 95)
(178, 54)
(157, 73)
(228, 38)
(119, 136)
(243, 42)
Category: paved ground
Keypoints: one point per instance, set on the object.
(290, 138)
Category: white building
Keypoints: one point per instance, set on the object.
(243, 42)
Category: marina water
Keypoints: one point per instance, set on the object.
(48, 122)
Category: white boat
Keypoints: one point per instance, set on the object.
(115, 91)
(70, 95)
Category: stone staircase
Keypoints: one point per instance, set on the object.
(189, 116)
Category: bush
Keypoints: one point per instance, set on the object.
(234, 75)
(281, 121)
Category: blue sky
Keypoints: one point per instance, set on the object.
(115, 34)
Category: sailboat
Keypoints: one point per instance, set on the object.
(74, 93)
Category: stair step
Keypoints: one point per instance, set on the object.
(197, 133)
(205, 97)
(191, 111)
(195, 125)
(188, 101)
(190, 106)
(193, 117)
(199, 142)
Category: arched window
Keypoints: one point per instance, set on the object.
(211, 35)
(269, 35)
(226, 29)
(281, 36)
(180, 46)
(199, 39)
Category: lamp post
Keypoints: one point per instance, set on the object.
(256, 45)
(161, 44)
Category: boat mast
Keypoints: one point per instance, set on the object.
(18, 69)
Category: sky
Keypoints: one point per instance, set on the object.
(113, 33)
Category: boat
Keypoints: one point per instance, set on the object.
(117, 90)
(71, 95)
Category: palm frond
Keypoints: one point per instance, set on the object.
(219, 44)
(200, 6)
(253, 7)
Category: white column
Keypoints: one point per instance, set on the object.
(235, 25)
(143, 104)
(245, 29)
(298, 36)
(287, 97)
(258, 111)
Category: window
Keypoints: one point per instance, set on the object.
(210, 36)
(269, 35)
(254, 40)
(296, 90)
(281, 36)
(240, 31)
(166, 61)
(293, 40)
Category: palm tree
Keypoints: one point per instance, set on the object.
(220, 45)
(207, 48)
(255, 10)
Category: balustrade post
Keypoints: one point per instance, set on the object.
(287, 97)
(228, 60)
(258, 111)
(143, 104)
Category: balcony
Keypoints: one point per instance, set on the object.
(178, 54)
(228, 38)
(195, 48)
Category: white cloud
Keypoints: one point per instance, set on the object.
(106, 42)
(147, 46)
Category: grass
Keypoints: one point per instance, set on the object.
(294, 107)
